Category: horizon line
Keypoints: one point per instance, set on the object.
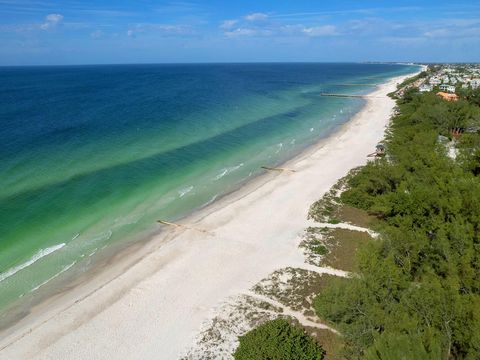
(238, 62)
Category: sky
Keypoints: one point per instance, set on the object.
(53, 32)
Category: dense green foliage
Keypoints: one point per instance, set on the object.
(412, 79)
(278, 340)
(417, 295)
(471, 95)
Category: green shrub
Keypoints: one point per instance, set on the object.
(320, 250)
(278, 340)
(400, 347)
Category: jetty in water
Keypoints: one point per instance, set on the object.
(350, 95)
(277, 169)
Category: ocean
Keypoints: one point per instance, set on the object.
(92, 156)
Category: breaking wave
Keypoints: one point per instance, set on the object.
(185, 191)
(228, 170)
(40, 254)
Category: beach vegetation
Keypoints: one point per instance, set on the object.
(278, 340)
(416, 293)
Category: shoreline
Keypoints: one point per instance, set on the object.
(133, 298)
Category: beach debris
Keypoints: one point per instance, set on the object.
(277, 169)
(379, 151)
(181, 226)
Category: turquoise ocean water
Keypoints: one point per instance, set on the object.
(92, 156)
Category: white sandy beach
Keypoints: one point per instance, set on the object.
(173, 284)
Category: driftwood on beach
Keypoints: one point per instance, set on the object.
(182, 226)
(277, 169)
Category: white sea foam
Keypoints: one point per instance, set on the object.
(228, 170)
(311, 129)
(211, 200)
(76, 236)
(279, 146)
(292, 142)
(103, 236)
(233, 168)
(53, 277)
(185, 191)
(222, 174)
(40, 254)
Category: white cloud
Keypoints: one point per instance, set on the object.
(247, 32)
(285, 30)
(51, 21)
(164, 29)
(455, 32)
(324, 30)
(96, 34)
(313, 31)
(403, 40)
(256, 17)
(437, 33)
(228, 24)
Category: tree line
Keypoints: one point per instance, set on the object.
(417, 293)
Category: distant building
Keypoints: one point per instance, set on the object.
(447, 96)
(475, 83)
(435, 81)
(472, 129)
(425, 88)
(448, 88)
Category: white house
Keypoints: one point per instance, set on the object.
(475, 83)
(435, 81)
(447, 88)
(425, 88)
